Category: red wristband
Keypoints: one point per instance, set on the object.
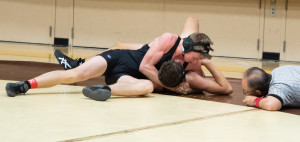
(256, 101)
(33, 83)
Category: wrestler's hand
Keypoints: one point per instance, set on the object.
(249, 100)
(205, 61)
(183, 88)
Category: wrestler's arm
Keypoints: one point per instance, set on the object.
(157, 49)
(196, 67)
(219, 85)
(268, 103)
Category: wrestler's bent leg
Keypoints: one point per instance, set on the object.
(92, 68)
(190, 26)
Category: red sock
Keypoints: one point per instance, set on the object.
(33, 83)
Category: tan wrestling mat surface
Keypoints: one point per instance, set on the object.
(62, 113)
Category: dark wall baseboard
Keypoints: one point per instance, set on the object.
(271, 56)
(61, 42)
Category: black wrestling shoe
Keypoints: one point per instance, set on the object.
(13, 89)
(79, 61)
(67, 62)
(97, 92)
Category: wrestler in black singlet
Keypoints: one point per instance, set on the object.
(127, 62)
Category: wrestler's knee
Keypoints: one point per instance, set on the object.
(78, 75)
(145, 87)
(193, 20)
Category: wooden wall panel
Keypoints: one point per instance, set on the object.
(27, 20)
(233, 25)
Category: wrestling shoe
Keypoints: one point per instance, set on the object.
(97, 92)
(67, 62)
(79, 61)
(13, 89)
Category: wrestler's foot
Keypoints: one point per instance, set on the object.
(13, 89)
(97, 92)
(67, 62)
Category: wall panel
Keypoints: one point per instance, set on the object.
(293, 31)
(102, 23)
(233, 25)
(27, 20)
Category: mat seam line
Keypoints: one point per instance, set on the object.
(159, 125)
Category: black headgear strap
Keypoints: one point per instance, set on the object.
(189, 44)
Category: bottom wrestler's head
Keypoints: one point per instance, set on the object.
(171, 73)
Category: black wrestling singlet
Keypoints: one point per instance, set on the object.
(127, 62)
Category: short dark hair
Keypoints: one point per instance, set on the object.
(258, 79)
(205, 43)
(171, 73)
